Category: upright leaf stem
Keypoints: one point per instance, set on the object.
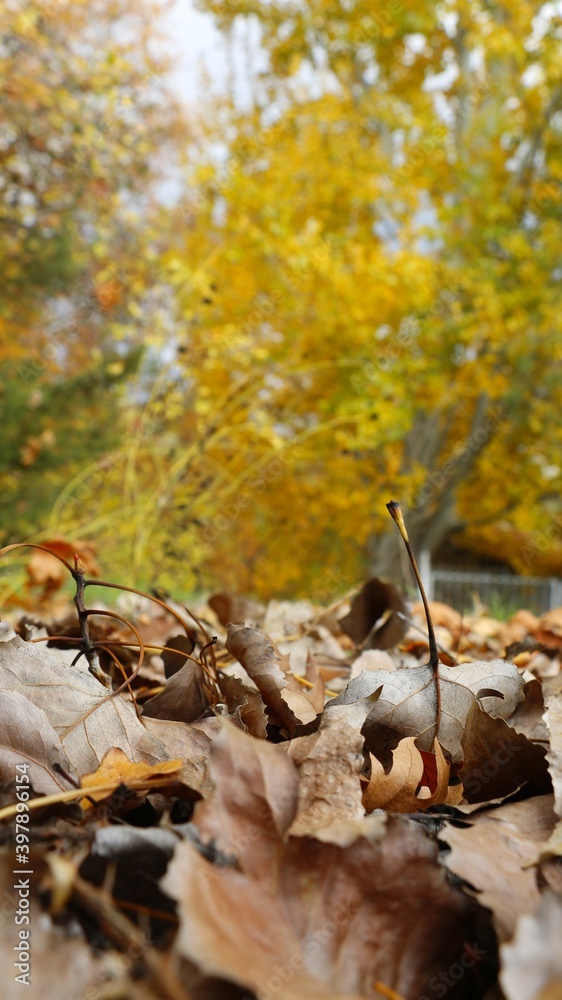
(395, 512)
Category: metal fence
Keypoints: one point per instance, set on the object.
(496, 590)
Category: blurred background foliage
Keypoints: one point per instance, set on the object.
(229, 336)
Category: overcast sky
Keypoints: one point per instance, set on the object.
(197, 43)
(199, 46)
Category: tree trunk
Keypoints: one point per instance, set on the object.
(430, 513)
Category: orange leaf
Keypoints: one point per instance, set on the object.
(117, 769)
(399, 791)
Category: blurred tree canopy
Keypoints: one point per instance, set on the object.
(384, 244)
(87, 122)
(355, 297)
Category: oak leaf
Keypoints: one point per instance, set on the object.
(398, 790)
(406, 700)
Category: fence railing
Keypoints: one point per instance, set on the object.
(496, 590)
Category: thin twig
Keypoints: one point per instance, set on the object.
(88, 648)
(396, 514)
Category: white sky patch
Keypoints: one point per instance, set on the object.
(533, 76)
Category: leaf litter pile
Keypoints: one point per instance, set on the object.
(280, 802)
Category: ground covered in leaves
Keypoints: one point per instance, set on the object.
(273, 815)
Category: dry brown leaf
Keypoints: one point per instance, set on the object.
(183, 699)
(271, 675)
(549, 629)
(192, 743)
(329, 764)
(76, 705)
(520, 625)
(246, 704)
(441, 615)
(553, 719)
(173, 662)
(372, 619)
(372, 659)
(406, 703)
(319, 920)
(528, 717)
(493, 853)
(531, 965)
(237, 609)
(396, 791)
(498, 760)
(117, 769)
(26, 736)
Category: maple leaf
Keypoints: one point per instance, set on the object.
(87, 722)
(398, 790)
(406, 702)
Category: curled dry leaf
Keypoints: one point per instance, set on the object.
(372, 618)
(329, 764)
(528, 716)
(498, 760)
(532, 962)
(191, 743)
(246, 704)
(549, 629)
(493, 853)
(26, 736)
(553, 719)
(397, 791)
(271, 675)
(183, 699)
(319, 920)
(117, 769)
(183, 646)
(237, 609)
(406, 702)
